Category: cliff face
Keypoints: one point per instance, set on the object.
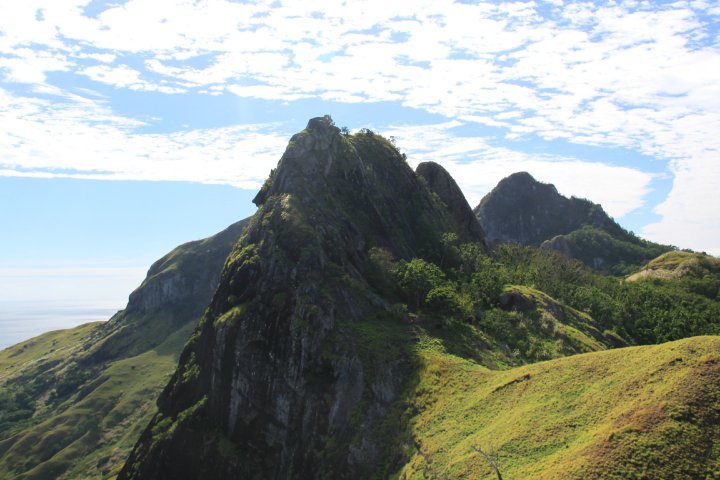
(189, 274)
(441, 183)
(277, 382)
(175, 291)
(522, 210)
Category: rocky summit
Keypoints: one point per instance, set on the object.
(280, 380)
(522, 210)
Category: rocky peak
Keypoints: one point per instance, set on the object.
(277, 365)
(440, 182)
(522, 210)
(309, 155)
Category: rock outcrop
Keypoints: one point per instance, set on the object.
(188, 274)
(522, 210)
(277, 381)
(440, 182)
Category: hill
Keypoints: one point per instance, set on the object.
(358, 326)
(73, 402)
(630, 413)
(684, 267)
(522, 210)
(359, 316)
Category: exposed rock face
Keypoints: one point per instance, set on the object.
(522, 210)
(188, 272)
(177, 289)
(276, 382)
(440, 182)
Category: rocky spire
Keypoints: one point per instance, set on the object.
(277, 381)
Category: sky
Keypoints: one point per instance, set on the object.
(129, 127)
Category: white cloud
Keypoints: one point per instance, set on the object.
(122, 76)
(478, 167)
(690, 212)
(643, 76)
(81, 138)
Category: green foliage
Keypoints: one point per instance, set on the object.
(444, 300)
(379, 266)
(620, 254)
(417, 277)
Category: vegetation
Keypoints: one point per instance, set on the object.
(618, 254)
(88, 432)
(74, 402)
(357, 314)
(632, 413)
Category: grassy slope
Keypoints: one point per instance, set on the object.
(678, 264)
(639, 412)
(51, 346)
(91, 433)
(74, 402)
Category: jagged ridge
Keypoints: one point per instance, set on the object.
(277, 382)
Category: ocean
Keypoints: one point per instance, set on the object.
(20, 321)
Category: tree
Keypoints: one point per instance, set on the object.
(418, 277)
(443, 299)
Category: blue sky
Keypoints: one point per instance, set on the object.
(130, 127)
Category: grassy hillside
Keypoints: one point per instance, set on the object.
(89, 434)
(696, 271)
(73, 402)
(631, 413)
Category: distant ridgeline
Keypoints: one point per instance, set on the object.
(366, 325)
(522, 210)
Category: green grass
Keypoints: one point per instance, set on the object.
(679, 264)
(48, 347)
(640, 412)
(89, 436)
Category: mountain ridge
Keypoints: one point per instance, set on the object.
(522, 210)
(275, 365)
(357, 322)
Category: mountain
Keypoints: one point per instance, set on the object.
(358, 326)
(297, 365)
(360, 330)
(73, 402)
(522, 210)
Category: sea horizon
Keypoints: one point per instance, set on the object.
(23, 320)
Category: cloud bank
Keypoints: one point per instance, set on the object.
(644, 76)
